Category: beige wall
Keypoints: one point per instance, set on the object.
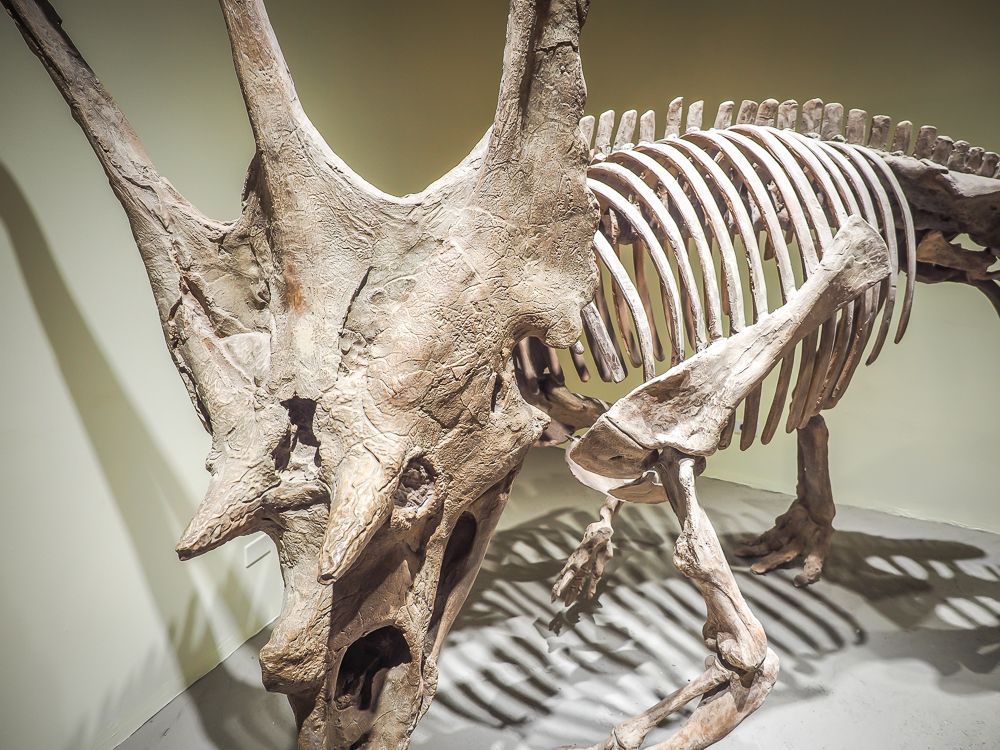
(101, 451)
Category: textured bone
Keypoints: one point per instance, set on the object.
(762, 199)
(625, 136)
(991, 160)
(942, 149)
(879, 138)
(745, 666)
(368, 424)
(624, 286)
(675, 243)
(694, 116)
(673, 120)
(926, 137)
(579, 363)
(806, 529)
(602, 344)
(747, 112)
(861, 170)
(767, 112)
(712, 311)
(322, 337)
(833, 121)
(974, 160)
(607, 329)
(619, 297)
(788, 114)
(706, 205)
(647, 126)
(812, 117)
(902, 137)
(857, 126)
(639, 253)
(935, 249)
(675, 154)
(806, 217)
(958, 156)
(605, 127)
(833, 343)
(587, 130)
(724, 117)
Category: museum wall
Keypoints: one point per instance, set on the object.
(101, 451)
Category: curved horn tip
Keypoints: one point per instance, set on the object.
(187, 549)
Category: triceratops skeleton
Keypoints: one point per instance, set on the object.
(369, 366)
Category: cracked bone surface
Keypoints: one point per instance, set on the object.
(350, 352)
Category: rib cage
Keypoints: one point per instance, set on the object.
(712, 210)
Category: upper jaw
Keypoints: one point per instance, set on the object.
(364, 649)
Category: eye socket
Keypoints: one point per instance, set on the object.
(416, 484)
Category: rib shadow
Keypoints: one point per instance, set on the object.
(528, 673)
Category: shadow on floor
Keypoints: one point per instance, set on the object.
(519, 672)
(521, 656)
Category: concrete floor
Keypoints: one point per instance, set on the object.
(898, 647)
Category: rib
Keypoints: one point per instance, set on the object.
(674, 242)
(639, 251)
(692, 223)
(601, 344)
(801, 220)
(620, 277)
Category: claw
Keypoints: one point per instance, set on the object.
(795, 534)
(584, 569)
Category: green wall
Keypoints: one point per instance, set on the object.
(102, 452)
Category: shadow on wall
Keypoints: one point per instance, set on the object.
(149, 496)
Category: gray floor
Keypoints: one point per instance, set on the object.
(899, 646)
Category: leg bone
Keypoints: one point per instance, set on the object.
(736, 681)
(806, 529)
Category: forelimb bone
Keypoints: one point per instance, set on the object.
(585, 566)
(688, 407)
(736, 681)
